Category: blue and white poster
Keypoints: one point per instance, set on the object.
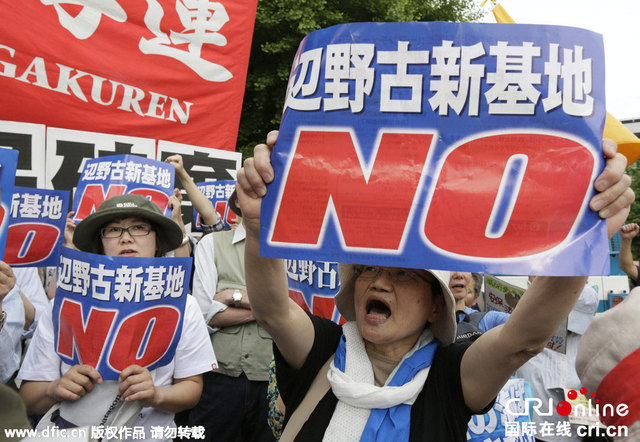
(442, 145)
(508, 420)
(218, 192)
(36, 226)
(313, 286)
(106, 177)
(113, 312)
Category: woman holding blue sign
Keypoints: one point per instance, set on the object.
(396, 373)
(134, 227)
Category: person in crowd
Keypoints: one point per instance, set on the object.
(210, 220)
(474, 291)
(242, 347)
(33, 297)
(185, 249)
(627, 233)
(550, 371)
(608, 364)
(126, 226)
(400, 332)
(471, 323)
(23, 304)
(12, 323)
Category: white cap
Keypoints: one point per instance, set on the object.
(582, 314)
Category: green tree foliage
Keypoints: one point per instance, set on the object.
(634, 215)
(281, 25)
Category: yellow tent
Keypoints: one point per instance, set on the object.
(628, 143)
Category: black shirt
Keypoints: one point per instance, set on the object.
(439, 413)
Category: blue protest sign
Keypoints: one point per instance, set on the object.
(8, 164)
(313, 285)
(508, 420)
(113, 312)
(106, 177)
(36, 226)
(442, 145)
(218, 192)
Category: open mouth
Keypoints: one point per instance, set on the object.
(378, 309)
(127, 252)
(458, 286)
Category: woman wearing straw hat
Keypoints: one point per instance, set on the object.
(396, 374)
(125, 226)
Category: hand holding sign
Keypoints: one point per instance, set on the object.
(252, 182)
(75, 383)
(136, 384)
(614, 200)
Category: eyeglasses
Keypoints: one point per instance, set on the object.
(134, 230)
(395, 274)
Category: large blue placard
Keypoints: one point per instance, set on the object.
(442, 145)
(113, 312)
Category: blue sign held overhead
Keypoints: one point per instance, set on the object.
(455, 146)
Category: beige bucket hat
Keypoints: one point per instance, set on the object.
(444, 328)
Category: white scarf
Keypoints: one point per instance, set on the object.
(356, 391)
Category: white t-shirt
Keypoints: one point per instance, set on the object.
(194, 355)
(29, 283)
(205, 276)
(10, 335)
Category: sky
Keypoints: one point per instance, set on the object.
(616, 20)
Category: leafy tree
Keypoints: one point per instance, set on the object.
(282, 24)
(634, 215)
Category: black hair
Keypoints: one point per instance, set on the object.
(477, 279)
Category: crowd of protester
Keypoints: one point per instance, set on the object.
(418, 356)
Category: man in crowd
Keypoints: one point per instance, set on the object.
(627, 233)
(22, 301)
(471, 323)
(243, 348)
(551, 371)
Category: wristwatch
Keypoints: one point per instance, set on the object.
(3, 318)
(237, 297)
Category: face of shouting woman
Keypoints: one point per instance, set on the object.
(393, 306)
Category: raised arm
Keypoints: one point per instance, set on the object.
(288, 325)
(175, 203)
(490, 360)
(201, 203)
(627, 233)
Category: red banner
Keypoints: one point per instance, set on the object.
(161, 69)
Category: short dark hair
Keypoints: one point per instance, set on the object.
(477, 279)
